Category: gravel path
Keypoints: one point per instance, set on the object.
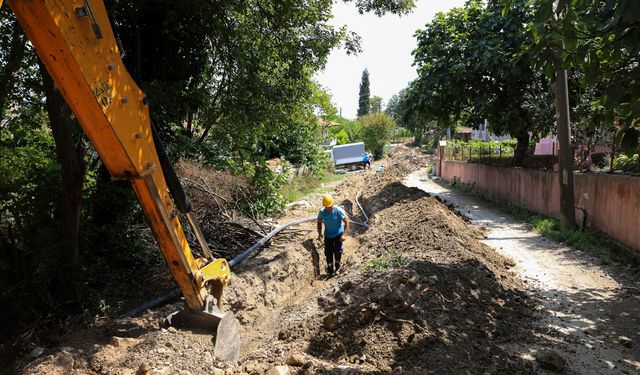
(588, 311)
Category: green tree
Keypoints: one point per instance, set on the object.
(471, 68)
(599, 39)
(363, 95)
(377, 131)
(380, 7)
(392, 106)
(375, 104)
(352, 128)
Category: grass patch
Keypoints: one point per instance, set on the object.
(388, 259)
(301, 186)
(585, 239)
(430, 169)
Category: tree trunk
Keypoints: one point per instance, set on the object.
(565, 155)
(522, 147)
(16, 54)
(70, 156)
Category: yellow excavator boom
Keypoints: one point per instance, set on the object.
(75, 41)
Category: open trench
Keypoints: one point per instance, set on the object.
(419, 293)
(443, 308)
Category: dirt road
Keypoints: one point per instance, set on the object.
(587, 307)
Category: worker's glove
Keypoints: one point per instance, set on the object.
(343, 238)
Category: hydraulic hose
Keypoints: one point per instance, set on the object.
(177, 191)
(171, 177)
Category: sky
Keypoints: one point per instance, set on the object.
(386, 45)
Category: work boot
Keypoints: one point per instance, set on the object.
(338, 269)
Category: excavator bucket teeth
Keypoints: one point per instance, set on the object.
(227, 346)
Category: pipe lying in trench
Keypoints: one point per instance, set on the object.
(264, 240)
(176, 292)
(153, 303)
(364, 213)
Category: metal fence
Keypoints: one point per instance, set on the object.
(496, 155)
(502, 156)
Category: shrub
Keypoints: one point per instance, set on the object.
(626, 163)
(267, 199)
(342, 137)
(377, 130)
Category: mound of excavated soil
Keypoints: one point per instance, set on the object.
(442, 303)
(419, 294)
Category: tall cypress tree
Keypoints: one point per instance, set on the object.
(363, 101)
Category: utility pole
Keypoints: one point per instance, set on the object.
(565, 157)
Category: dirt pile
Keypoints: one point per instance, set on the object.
(418, 294)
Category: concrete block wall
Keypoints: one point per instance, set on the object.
(609, 203)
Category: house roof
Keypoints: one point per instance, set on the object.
(326, 124)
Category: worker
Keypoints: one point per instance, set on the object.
(366, 159)
(336, 227)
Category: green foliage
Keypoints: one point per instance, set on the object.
(353, 128)
(601, 39)
(242, 80)
(471, 68)
(388, 260)
(429, 149)
(381, 7)
(627, 140)
(364, 106)
(301, 186)
(377, 130)
(626, 163)
(375, 104)
(392, 107)
(267, 198)
(342, 137)
(402, 133)
(321, 101)
(459, 150)
(550, 228)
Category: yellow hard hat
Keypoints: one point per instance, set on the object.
(327, 200)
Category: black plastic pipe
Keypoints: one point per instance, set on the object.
(153, 303)
(264, 240)
(176, 292)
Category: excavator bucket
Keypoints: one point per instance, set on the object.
(227, 345)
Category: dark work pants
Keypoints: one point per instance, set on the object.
(333, 250)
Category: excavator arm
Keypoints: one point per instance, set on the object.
(76, 44)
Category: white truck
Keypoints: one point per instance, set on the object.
(348, 156)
